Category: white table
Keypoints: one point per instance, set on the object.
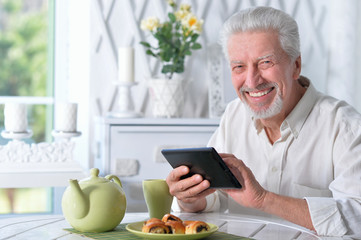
(43, 227)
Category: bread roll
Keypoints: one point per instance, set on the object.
(156, 227)
(186, 223)
(171, 224)
(152, 220)
(171, 217)
(176, 227)
(196, 227)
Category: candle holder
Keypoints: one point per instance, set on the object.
(17, 151)
(125, 101)
(16, 135)
(19, 156)
(64, 135)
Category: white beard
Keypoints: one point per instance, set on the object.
(271, 111)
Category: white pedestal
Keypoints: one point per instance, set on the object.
(125, 101)
(66, 135)
(16, 135)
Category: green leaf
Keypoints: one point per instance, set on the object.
(194, 37)
(179, 70)
(149, 52)
(187, 45)
(172, 17)
(167, 68)
(178, 25)
(196, 46)
(146, 44)
(167, 56)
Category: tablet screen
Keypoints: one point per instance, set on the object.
(203, 161)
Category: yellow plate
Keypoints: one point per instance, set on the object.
(136, 228)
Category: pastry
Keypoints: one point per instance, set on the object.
(170, 217)
(176, 227)
(152, 220)
(156, 227)
(171, 224)
(196, 227)
(186, 223)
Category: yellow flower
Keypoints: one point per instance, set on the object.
(171, 3)
(185, 7)
(198, 26)
(150, 24)
(192, 23)
(180, 15)
(183, 12)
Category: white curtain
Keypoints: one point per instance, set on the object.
(343, 75)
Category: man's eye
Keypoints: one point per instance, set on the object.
(237, 68)
(265, 64)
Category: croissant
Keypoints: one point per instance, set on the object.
(171, 217)
(196, 227)
(176, 227)
(156, 227)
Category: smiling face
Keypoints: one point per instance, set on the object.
(263, 74)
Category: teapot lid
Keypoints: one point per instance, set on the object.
(94, 178)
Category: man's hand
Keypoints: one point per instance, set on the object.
(251, 194)
(190, 192)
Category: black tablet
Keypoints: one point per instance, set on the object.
(203, 161)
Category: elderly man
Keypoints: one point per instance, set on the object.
(296, 151)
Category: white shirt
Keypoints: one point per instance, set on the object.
(318, 158)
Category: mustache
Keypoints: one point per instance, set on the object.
(259, 87)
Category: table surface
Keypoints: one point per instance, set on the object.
(51, 226)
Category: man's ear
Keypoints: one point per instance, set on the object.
(297, 69)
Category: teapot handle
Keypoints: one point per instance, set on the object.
(115, 179)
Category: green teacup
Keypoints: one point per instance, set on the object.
(157, 197)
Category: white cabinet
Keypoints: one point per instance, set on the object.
(130, 149)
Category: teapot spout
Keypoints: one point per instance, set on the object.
(80, 203)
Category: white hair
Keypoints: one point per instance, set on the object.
(264, 19)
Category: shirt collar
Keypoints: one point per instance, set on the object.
(296, 119)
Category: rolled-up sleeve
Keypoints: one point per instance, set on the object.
(213, 203)
(326, 217)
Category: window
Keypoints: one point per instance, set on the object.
(26, 76)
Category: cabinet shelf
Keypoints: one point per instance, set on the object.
(160, 121)
(130, 148)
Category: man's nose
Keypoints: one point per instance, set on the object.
(252, 77)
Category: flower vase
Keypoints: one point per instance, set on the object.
(167, 97)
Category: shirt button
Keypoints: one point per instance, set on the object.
(274, 169)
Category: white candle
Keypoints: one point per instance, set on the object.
(66, 117)
(15, 117)
(126, 64)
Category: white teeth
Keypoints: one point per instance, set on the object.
(259, 94)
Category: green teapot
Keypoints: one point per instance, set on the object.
(94, 204)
